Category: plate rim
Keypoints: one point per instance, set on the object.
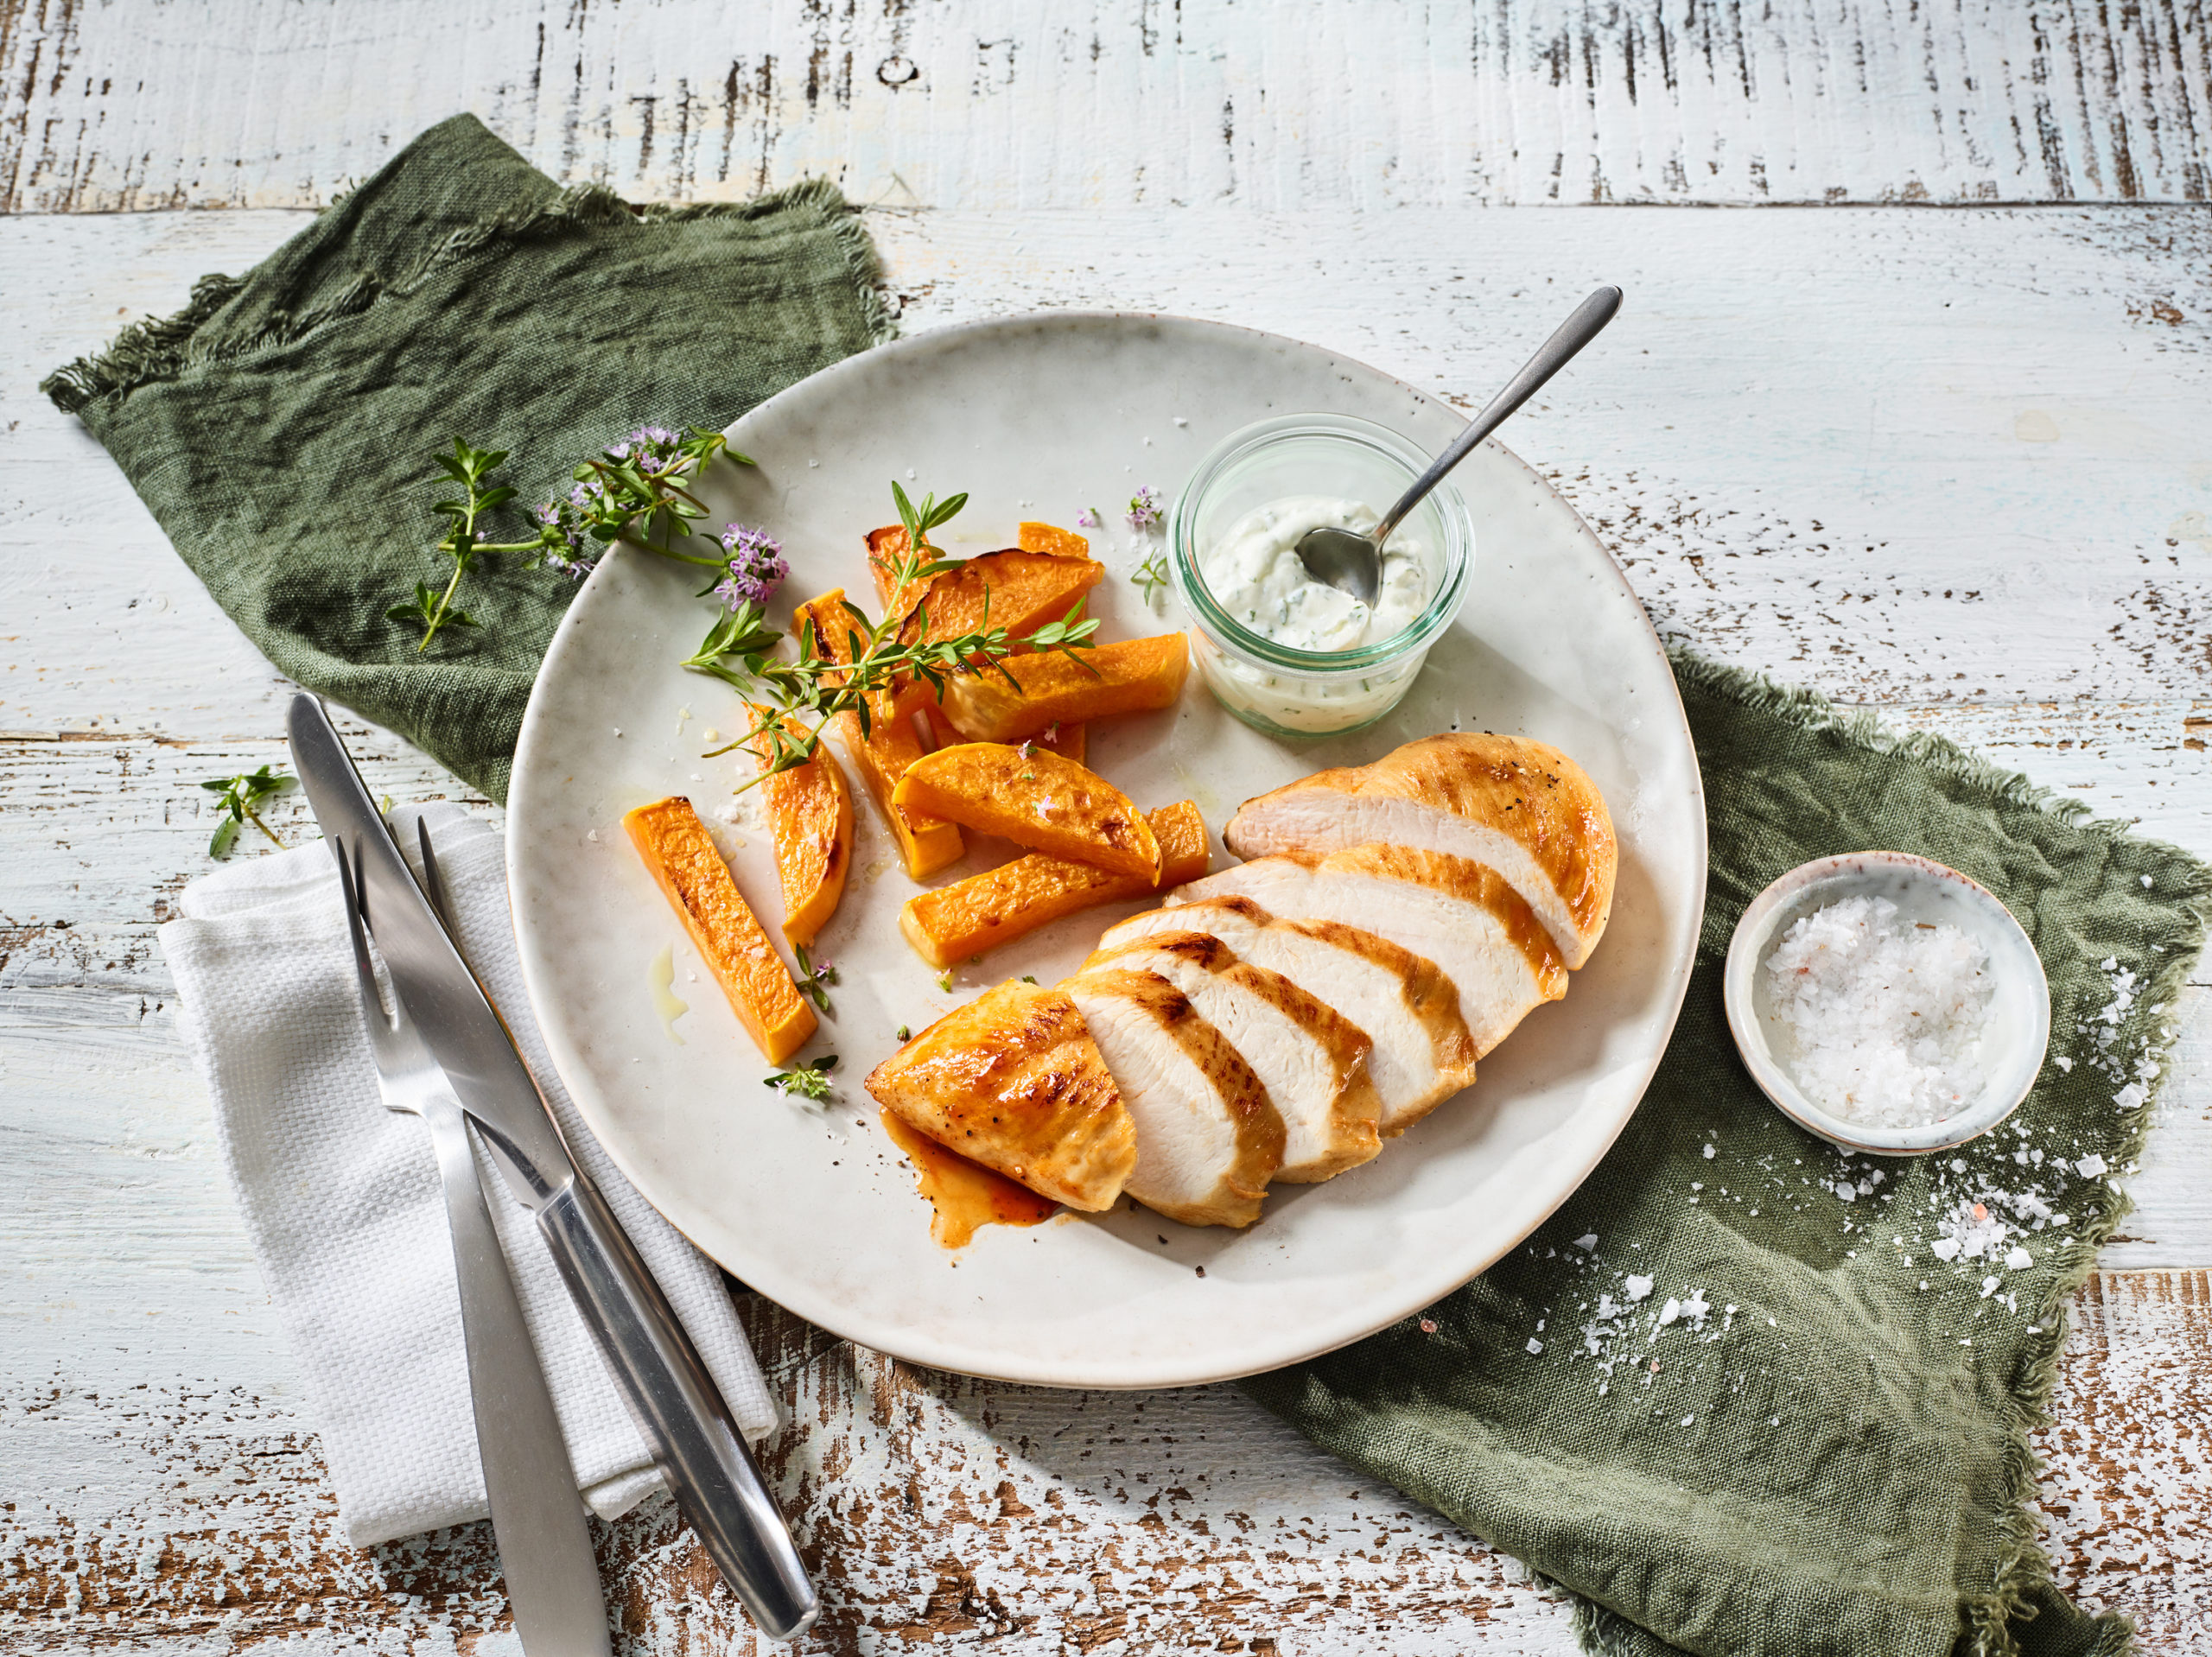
(935, 1353)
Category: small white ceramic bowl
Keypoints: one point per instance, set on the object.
(2013, 1040)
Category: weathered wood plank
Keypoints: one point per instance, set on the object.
(1899, 456)
(975, 1516)
(1123, 102)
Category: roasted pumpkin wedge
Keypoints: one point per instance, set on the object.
(882, 752)
(1050, 537)
(809, 813)
(957, 922)
(1012, 1081)
(1034, 798)
(1018, 591)
(886, 547)
(1133, 676)
(682, 859)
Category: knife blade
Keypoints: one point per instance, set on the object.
(677, 1409)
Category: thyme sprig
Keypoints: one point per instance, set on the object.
(794, 697)
(810, 1081)
(240, 795)
(637, 490)
(1151, 575)
(816, 979)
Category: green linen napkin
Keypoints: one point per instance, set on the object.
(282, 427)
(1807, 1434)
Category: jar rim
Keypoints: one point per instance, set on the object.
(1232, 635)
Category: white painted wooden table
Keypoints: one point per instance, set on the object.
(1930, 430)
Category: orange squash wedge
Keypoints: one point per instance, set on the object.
(1018, 591)
(810, 822)
(1034, 798)
(1050, 537)
(886, 547)
(882, 753)
(683, 860)
(969, 917)
(1133, 676)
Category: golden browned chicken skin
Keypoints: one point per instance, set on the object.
(1014, 1082)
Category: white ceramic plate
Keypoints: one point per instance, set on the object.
(1039, 416)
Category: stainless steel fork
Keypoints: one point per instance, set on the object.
(537, 1518)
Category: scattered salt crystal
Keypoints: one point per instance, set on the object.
(1588, 1243)
(1535, 1345)
(618, 730)
(1638, 1287)
(1688, 1419)
(1944, 1248)
(1709, 1153)
(1958, 1164)
(2019, 1260)
(2146, 883)
(2063, 1063)
(591, 835)
(1886, 1018)
(1670, 1311)
(1988, 1287)
(2131, 1095)
(2089, 1166)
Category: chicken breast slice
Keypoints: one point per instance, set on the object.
(1208, 1141)
(1422, 1054)
(1522, 807)
(1013, 1081)
(1311, 1061)
(1460, 914)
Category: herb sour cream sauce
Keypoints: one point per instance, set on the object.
(1254, 573)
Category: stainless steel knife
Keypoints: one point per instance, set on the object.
(678, 1410)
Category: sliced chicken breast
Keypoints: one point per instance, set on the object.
(1311, 1061)
(1208, 1141)
(1522, 807)
(1422, 1053)
(1013, 1081)
(1460, 914)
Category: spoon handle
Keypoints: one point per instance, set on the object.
(1578, 330)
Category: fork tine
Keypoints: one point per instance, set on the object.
(432, 876)
(384, 1040)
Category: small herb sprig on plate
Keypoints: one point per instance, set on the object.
(809, 1081)
(793, 698)
(241, 796)
(637, 490)
(1151, 575)
(816, 979)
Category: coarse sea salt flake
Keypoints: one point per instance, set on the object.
(1588, 1243)
(1535, 1345)
(1638, 1287)
(2019, 1260)
(2090, 1166)
(1886, 1017)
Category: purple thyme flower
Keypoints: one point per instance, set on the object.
(1144, 509)
(575, 553)
(1087, 518)
(756, 567)
(656, 450)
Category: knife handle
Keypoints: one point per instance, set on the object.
(538, 1519)
(679, 1412)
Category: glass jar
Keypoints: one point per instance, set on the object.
(1280, 688)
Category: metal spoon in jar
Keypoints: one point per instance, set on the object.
(1352, 562)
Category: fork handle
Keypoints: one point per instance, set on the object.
(679, 1412)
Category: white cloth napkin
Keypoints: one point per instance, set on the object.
(341, 1199)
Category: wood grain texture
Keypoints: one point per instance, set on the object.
(972, 1515)
(1952, 465)
(1123, 102)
